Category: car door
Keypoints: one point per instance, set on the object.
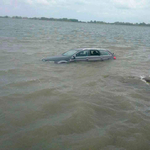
(105, 55)
(94, 55)
(81, 56)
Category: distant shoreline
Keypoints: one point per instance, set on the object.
(76, 20)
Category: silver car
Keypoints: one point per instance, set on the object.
(82, 54)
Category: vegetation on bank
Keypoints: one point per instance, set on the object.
(76, 20)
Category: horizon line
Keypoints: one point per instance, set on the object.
(75, 20)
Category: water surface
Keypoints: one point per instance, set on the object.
(84, 105)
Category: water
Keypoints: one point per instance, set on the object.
(83, 105)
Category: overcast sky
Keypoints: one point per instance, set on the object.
(83, 10)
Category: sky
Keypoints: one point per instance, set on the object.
(134, 11)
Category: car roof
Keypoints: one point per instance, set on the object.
(82, 49)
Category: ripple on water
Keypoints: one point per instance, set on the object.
(85, 105)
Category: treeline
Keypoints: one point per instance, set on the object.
(43, 18)
(76, 20)
(121, 23)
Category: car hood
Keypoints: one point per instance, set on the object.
(56, 58)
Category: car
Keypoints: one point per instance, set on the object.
(82, 54)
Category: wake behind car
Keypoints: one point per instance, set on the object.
(82, 54)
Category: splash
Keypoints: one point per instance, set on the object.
(145, 79)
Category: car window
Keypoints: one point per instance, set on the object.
(82, 53)
(69, 53)
(104, 53)
(94, 53)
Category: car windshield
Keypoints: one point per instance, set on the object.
(69, 53)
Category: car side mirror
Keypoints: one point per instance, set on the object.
(73, 57)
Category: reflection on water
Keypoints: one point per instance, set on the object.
(82, 105)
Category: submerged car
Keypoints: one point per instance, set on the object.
(82, 54)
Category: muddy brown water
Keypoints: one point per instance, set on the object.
(76, 106)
